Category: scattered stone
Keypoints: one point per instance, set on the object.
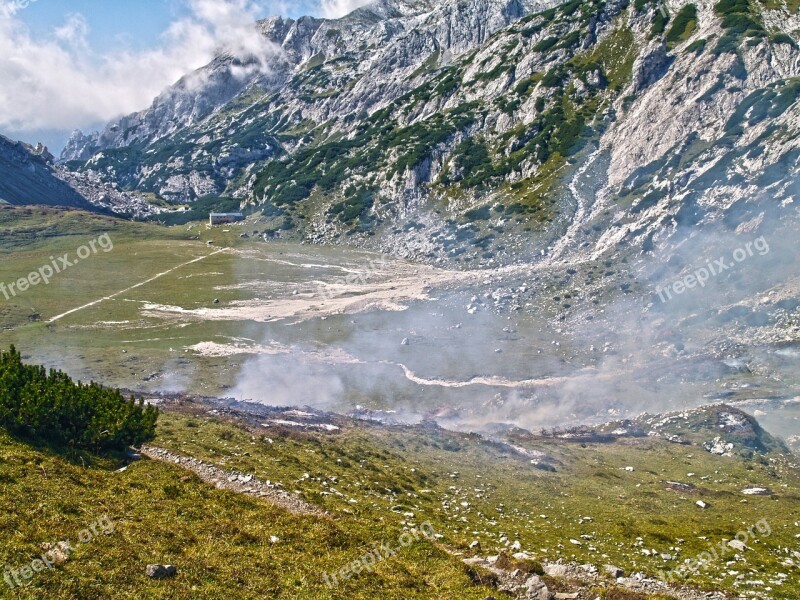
(56, 552)
(556, 570)
(536, 589)
(737, 545)
(615, 572)
(701, 504)
(243, 484)
(719, 447)
(757, 491)
(677, 486)
(161, 571)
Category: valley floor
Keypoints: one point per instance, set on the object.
(466, 394)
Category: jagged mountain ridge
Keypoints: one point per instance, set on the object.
(382, 31)
(421, 134)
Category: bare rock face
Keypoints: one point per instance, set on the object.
(614, 571)
(651, 66)
(80, 146)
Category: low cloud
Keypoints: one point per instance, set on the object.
(60, 83)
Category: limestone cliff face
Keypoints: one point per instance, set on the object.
(483, 130)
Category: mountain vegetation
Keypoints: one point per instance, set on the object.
(49, 407)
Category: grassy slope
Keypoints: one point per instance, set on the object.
(592, 482)
(220, 540)
(367, 477)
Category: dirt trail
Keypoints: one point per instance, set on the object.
(133, 287)
(236, 482)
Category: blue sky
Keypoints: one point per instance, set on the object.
(137, 25)
(78, 64)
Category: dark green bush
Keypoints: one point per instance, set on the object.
(739, 23)
(569, 8)
(553, 78)
(660, 20)
(49, 407)
(473, 158)
(545, 44)
(783, 38)
(684, 24)
(697, 46)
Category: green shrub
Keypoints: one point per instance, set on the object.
(356, 206)
(569, 8)
(473, 158)
(684, 24)
(783, 38)
(697, 46)
(571, 39)
(660, 20)
(49, 407)
(545, 44)
(739, 23)
(553, 78)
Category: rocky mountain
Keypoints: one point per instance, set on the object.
(486, 131)
(27, 177)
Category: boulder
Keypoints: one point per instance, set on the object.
(615, 572)
(535, 589)
(737, 545)
(161, 571)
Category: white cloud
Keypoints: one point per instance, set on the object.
(334, 9)
(74, 32)
(59, 83)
